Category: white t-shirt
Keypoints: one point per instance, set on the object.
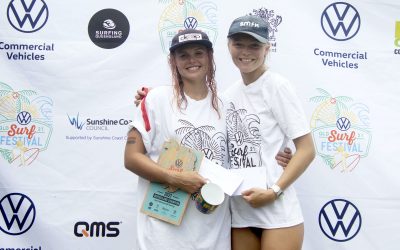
(198, 127)
(261, 117)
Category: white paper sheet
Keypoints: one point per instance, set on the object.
(227, 180)
(252, 177)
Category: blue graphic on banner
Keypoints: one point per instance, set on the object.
(343, 124)
(17, 214)
(190, 23)
(27, 16)
(340, 21)
(340, 220)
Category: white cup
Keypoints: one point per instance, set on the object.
(209, 198)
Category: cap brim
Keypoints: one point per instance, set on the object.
(257, 37)
(206, 43)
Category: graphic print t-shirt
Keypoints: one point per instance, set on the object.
(197, 126)
(261, 117)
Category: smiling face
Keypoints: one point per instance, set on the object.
(192, 62)
(248, 55)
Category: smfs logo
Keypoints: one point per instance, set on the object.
(18, 213)
(340, 21)
(33, 11)
(340, 131)
(340, 220)
(273, 21)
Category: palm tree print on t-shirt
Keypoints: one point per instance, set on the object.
(202, 138)
(244, 138)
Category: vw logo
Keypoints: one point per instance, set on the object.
(343, 124)
(190, 23)
(17, 214)
(179, 163)
(340, 21)
(340, 220)
(29, 17)
(24, 118)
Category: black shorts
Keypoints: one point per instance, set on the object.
(257, 231)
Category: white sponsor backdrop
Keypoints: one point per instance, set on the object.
(64, 112)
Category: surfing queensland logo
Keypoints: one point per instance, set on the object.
(27, 15)
(341, 130)
(17, 213)
(25, 125)
(340, 220)
(340, 21)
(187, 14)
(108, 28)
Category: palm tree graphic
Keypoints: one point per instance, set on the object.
(11, 101)
(242, 130)
(330, 108)
(198, 138)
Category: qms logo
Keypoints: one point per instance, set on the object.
(17, 214)
(96, 229)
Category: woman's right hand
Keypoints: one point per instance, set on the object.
(140, 94)
(188, 181)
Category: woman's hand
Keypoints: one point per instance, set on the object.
(188, 181)
(258, 197)
(283, 157)
(140, 94)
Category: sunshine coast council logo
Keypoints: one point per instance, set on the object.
(25, 125)
(187, 14)
(341, 130)
(273, 22)
(95, 129)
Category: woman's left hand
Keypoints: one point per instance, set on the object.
(283, 157)
(258, 197)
